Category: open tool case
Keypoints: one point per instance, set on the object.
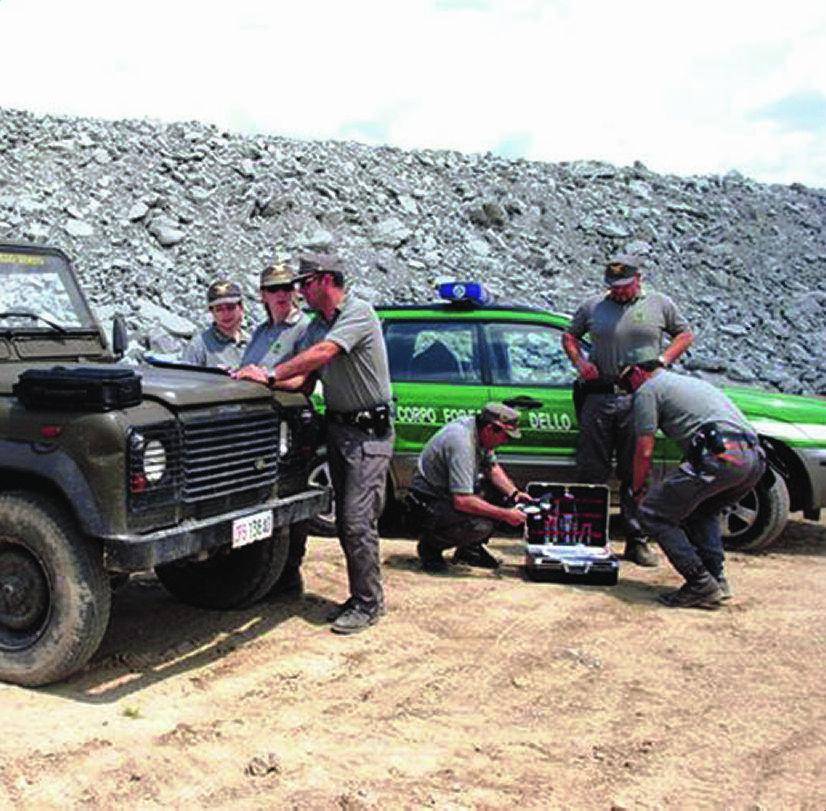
(566, 534)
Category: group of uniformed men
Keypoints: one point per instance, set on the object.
(628, 393)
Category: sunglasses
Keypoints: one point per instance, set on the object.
(275, 288)
(307, 281)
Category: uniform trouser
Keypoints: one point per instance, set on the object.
(606, 426)
(682, 512)
(297, 548)
(358, 469)
(444, 526)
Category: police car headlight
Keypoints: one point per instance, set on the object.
(154, 461)
(284, 438)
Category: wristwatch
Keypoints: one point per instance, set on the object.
(663, 362)
(271, 379)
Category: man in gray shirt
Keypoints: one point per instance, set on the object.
(223, 342)
(344, 345)
(446, 486)
(723, 461)
(624, 319)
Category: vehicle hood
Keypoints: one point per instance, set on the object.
(788, 416)
(184, 388)
(175, 388)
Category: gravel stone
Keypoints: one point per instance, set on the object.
(152, 212)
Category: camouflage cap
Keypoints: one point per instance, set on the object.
(312, 263)
(223, 291)
(505, 417)
(277, 275)
(621, 269)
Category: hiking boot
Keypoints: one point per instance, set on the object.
(431, 558)
(725, 588)
(354, 620)
(699, 592)
(334, 613)
(476, 555)
(641, 552)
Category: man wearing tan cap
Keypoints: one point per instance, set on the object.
(446, 486)
(344, 347)
(222, 343)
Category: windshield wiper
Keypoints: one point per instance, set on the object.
(34, 317)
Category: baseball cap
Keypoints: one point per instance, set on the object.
(505, 417)
(311, 263)
(223, 291)
(277, 274)
(621, 269)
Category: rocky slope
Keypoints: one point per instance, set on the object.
(151, 213)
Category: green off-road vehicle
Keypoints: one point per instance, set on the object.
(107, 469)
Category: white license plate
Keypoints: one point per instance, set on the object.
(251, 528)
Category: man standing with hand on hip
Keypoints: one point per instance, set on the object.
(624, 319)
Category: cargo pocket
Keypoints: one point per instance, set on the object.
(376, 454)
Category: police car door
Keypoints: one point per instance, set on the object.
(436, 372)
(530, 371)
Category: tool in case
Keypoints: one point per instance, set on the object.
(566, 533)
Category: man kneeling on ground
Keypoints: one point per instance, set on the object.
(446, 486)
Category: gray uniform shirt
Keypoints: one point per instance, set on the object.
(213, 348)
(271, 343)
(358, 377)
(452, 460)
(679, 405)
(618, 328)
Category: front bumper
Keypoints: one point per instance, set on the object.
(138, 553)
(814, 459)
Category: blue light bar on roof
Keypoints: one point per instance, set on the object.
(468, 292)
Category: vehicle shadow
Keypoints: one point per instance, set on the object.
(800, 537)
(137, 652)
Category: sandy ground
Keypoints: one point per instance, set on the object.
(477, 690)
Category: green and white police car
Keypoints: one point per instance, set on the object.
(449, 358)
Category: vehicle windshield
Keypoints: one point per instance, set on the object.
(38, 292)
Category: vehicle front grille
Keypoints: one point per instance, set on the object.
(225, 454)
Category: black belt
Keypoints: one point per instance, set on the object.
(362, 418)
(425, 498)
(602, 387)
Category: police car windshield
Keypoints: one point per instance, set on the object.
(39, 292)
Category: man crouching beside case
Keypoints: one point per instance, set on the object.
(722, 462)
(444, 493)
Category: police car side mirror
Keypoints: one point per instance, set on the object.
(120, 336)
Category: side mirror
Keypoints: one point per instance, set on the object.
(120, 336)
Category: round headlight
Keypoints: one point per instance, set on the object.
(154, 461)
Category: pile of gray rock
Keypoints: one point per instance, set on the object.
(152, 212)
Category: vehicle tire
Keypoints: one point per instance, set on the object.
(758, 518)
(323, 524)
(231, 578)
(54, 592)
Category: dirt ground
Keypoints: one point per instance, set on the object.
(478, 689)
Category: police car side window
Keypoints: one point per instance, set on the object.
(528, 355)
(433, 352)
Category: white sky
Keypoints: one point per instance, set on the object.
(686, 87)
